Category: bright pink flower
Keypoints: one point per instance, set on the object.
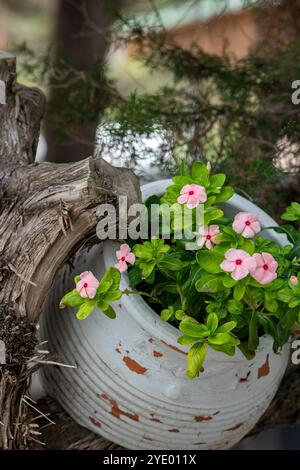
(238, 263)
(207, 235)
(124, 255)
(87, 285)
(192, 195)
(294, 280)
(247, 224)
(266, 266)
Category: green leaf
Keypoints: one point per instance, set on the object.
(200, 173)
(226, 193)
(270, 303)
(239, 290)
(289, 231)
(212, 322)
(168, 286)
(228, 281)
(72, 299)
(195, 360)
(187, 340)
(191, 327)
(217, 180)
(226, 348)
(234, 307)
(172, 263)
(289, 319)
(110, 281)
(179, 314)
(212, 213)
(167, 314)
(209, 283)
(210, 260)
(85, 309)
(292, 213)
(227, 327)
(135, 275)
(249, 246)
(110, 313)
(219, 338)
(253, 340)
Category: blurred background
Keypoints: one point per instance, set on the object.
(149, 83)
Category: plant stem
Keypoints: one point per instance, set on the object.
(146, 294)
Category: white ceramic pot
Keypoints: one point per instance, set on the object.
(130, 384)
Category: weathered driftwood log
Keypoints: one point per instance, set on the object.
(47, 212)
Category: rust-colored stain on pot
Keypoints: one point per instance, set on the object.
(118, 350)
(147, 438)
(264, 369)
(216, 413)
(157, 354)
(134, 366)
(151, 340)
(199, 419)
(116, 411)
(244, 379)
(174, 347)
(237, 426)
(173, 430)
(95, 421)
(154, 419)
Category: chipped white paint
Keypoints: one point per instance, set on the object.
(2, 92)
(130, 384)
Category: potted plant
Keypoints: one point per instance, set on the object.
(200, 336)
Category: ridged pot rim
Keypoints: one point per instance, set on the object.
(149, 320)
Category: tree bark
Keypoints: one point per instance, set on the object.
(47, 212)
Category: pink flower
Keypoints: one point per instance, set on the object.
(238, 263)
(294, 280)
(124, 255)
(247, 224)
(266, 266)
(192, 195)
(87, 285)
(207, 235)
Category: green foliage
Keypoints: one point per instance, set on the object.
(211, 307)
(107, 291)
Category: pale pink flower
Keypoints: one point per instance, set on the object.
(207, 236)
(266, 266)
(239, 263)
(124, 255)
(87, 285)
(247, 224)
(192, 195)
(294, 280)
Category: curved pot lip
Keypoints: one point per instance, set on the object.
(145, 316)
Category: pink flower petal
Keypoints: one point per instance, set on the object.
(91, 292)
(248, 232)
(182, 199)
(250, 264)
(193, 202)
(268, 277)
(258, 274)
(130, 258)
(240, 272)
(214, 230)
(186, 189)
(121, 266)
(228, 266)
(231, 254)
(238, 226)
